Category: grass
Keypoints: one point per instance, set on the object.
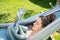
(10, 8)
(57, 36)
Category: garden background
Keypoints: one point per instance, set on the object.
(9, 9)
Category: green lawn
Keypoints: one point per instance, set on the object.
(9, 8)
(57, 36)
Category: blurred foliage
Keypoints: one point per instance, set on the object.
(10, 8)
(44, 3)
(48, 38)
(28, 13)
(57, 36)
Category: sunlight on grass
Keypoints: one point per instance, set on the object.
(57, 36)
(11, 7)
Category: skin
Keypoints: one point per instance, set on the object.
(37, 26)
(40, 23)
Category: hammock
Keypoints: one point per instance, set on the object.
(12, 35)
(46, 32)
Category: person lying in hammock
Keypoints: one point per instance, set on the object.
(39, 24)
(35, 27)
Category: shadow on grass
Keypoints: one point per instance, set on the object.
(28, 13)
(43, 3)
